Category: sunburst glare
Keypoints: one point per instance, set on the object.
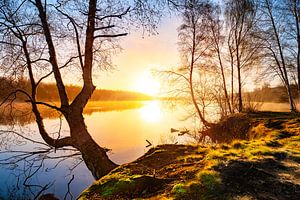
(151, 112)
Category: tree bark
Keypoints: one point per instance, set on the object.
(238, 66)
(224, 80)
(240, 90)
(94, 156)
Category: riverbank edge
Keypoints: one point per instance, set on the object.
(265, 165)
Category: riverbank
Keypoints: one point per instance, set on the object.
(266, 166)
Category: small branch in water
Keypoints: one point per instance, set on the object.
(181, 133)
(173, 130)
(149, 144)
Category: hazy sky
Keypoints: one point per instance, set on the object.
(140, 55)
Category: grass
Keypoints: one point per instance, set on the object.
(223, 171)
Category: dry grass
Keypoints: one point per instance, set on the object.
(237, 170)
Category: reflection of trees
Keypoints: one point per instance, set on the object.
(48, 92)
(41, 39)
(26, 165)
(21, 114)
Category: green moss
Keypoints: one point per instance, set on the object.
(116, 186)
(191, 170)
(179, 191)
(209, 179)
(204, 186)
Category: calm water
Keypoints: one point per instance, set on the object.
(123, 127)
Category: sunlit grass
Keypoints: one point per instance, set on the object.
(194, 171)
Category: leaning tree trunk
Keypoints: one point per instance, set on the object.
(94, 156)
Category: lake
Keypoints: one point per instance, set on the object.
(122, 127)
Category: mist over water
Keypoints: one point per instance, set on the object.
(122, 127)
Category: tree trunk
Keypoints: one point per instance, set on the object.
(95, 158)
(232, 81)
(93, 155)
(191, 85)
(224, 82)
(291, 101)
(240, 90)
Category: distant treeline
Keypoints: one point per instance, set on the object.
(48, 92)
(272, 94)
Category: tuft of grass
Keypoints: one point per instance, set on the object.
(273, 143)
(238, 145)
(209, 179)
(274, 124)
(284, 134)
(179, 191)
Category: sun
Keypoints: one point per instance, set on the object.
(147, 84)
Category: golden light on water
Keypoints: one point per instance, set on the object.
(151, 112)
(147, 84)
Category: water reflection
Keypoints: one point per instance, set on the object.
(151, 112)
(20, 113)
(123, 127)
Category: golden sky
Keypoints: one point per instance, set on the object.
(140, 55)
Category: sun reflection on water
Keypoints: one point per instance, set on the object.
(151, 112)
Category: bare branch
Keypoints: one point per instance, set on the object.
(114, 16)
(110, 36)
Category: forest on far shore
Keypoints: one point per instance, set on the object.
(271, 94)
(48, 92)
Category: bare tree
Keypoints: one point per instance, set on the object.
(66, 34)
(241, 16)
(276, 43)
(195, 44)
(293, 9)
(218, 38)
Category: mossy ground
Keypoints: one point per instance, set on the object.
(267, 166)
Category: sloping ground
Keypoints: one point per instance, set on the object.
(265, 167)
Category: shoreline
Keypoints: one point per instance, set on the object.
(238, 170)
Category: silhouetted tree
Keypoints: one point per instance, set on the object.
(273, 25)
(292, 9)
(195, 45)
(240, 18)
(40, 38)
(216, 29)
